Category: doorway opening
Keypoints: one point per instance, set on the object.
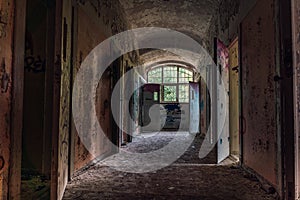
(37, 101)
(168, 85)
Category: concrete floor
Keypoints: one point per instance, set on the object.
(187, 178)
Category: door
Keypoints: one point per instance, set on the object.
(194, 108)
(234, 98)
(259, 92)
(151, 119)
(223, 145)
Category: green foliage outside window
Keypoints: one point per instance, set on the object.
(169, 93)
(174, 82)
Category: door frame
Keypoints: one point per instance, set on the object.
(17, 100)
(286, 82)
(296, 47)
(73, 56)
(241, 117)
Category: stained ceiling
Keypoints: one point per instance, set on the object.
(192, 17)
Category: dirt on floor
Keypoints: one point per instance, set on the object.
(187, 178)
(34, 187)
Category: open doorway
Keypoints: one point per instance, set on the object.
(171, 93)
(227, 62)
(37, 102)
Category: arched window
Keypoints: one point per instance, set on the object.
(174, 81)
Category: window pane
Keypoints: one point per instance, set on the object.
(183, 93)
(155, 75)
(154, 79)
(155, 96)
(185, 75)
(170, 74)
(155, 72)
(169, 93)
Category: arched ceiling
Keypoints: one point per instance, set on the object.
(158, 56)
(192, 17)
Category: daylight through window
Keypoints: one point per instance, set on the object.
(174, 81)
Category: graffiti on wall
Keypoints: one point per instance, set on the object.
(4, 77)
(223, 55)
(2, 163)
(3, 23)
(33, 63)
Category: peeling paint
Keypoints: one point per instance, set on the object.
(111, 21)
(258, 85)
(3, 23)
(6, 44)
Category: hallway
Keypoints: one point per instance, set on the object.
(149, 99)
(184, 179)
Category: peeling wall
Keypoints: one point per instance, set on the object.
(97, 20)
(231, 13)
(82, 156)
(84, 46)
(6, 41)
(92, 22)
(255, 22)
(259, 95)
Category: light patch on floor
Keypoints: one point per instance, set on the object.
(187, 178)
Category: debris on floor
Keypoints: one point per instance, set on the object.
(187, 178)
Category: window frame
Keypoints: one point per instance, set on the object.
(176, 84)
